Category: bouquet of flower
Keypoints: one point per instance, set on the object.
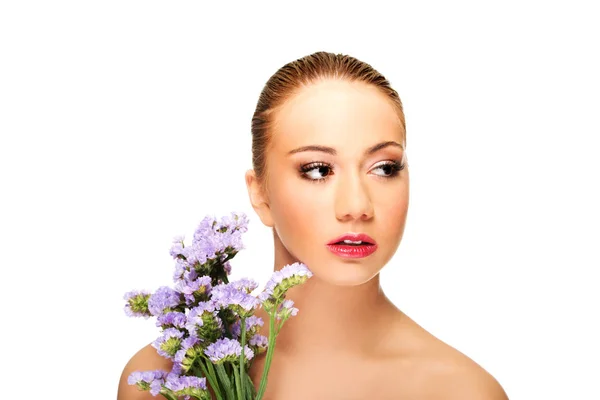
(207, 324)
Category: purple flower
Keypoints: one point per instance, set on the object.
(180, 383)
(137, 303)
(178, 239)
(260, 341)
(197, 316)
(213, 238)
(148, 380)
(247, 285)
(253, 324)
(232, 241)
(176, 250)
(186, 344)
(164, 298)
(172, 319)
(227, 267)
(191, 286)
(194, 254)
(177, 368)
(281, 281)
(169, 343)
(227, 296)
(286, 310)
(187, 386)
(235, 222)
(177, 246)
(205, 241)
(199, 286)
(155, 387)
(227, 350)
(184, 271)
(145, 376)
(205, 227)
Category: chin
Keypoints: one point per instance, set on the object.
(344, 273)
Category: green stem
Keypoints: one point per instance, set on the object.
(238, 384)
(225, 324)
(242, 371)
(211, 369)
(169, 396)
(212, 379)
(225, 381)
(224, 276)
(270, 350)
(280, 325)
(250, 389)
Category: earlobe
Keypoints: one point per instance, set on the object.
(258, 199)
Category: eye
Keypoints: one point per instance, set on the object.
(316, 172)
(319, 171)
(390, 168)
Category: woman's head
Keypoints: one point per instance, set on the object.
(328, 143)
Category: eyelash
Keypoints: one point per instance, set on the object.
(395, 165)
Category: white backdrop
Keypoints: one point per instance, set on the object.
(123, 123)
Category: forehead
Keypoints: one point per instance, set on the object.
(338, 114)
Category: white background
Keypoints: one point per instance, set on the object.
(123, 123)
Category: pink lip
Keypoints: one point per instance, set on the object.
(353, 251)
(349, 251)
(354, 237)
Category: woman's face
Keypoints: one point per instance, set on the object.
(316, 195)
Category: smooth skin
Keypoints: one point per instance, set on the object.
(348, 341)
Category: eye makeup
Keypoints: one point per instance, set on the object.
(391, 169)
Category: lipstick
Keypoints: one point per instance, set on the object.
(352, 245)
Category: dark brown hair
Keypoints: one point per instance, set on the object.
(298, 74)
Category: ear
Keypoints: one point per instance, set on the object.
(258, 198)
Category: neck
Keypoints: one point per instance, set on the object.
(331, 318)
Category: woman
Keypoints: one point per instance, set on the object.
(330, 176)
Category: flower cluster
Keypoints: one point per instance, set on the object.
(208, 327)
(159, 382)
(227, 350)
(281, 281)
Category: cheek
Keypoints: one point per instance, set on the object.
(296, 208)
(394, 210)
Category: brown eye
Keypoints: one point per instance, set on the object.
(315, 171)
(390, 169)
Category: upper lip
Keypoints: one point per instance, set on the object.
(363, 237)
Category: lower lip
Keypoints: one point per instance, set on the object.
(349, 251)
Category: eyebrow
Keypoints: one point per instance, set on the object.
(333, 152)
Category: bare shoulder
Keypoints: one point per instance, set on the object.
(439, 371)
(459, 377)
(145, 359)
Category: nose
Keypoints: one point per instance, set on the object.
(353, 201)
